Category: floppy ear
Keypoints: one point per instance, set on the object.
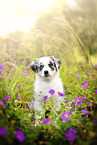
(34, 66)
(57, 62)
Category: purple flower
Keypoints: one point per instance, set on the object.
(68, 75)
(83, 98)
(85, 84)
(65, 116)
(52, 91)
(1, 67)
(18, 96)
(84, 62)
(70, 134)
(2, 104)
(45, 98)
(85, 111)
(87, 73)
(3, 131)
(19, 87)
(25, 61)
(65, 90)
(1, 76)
(96, 91)
(94, 120)
(71, 104)
(11, 76)
(95, 103)
(46, 120)
(19, 135)
(78, 100)
(66, 101)
(88, 104)
(60, 94)
(6, 98)
(25, 74)
(78, 76)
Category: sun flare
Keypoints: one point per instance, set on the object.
(21, 14)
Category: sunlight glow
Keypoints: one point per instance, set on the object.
(21, 14)
(12, 22)
(71, 3)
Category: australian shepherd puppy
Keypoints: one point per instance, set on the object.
(47, 79)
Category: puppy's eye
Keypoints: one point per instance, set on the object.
(41, 67)
(50, 64)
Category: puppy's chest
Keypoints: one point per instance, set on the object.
(43, 88)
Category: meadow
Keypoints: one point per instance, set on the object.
(76, 122)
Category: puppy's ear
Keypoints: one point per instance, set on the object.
(57, 62)
(34, 66)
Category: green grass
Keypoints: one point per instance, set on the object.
(16, 114)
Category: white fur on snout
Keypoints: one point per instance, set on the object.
(46, 68)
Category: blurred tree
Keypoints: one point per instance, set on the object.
(82, 18)
(84, 21)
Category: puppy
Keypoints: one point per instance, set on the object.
(47, 78)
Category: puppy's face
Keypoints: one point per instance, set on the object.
(46, 67)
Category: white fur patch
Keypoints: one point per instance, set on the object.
(47, 78)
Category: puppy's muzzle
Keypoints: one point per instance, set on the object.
(46, 73)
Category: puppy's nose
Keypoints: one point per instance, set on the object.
(46, 72)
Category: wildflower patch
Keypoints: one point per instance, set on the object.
(76, 119)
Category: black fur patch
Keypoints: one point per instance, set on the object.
(57, 62)
(35, 66)
(51, 65)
